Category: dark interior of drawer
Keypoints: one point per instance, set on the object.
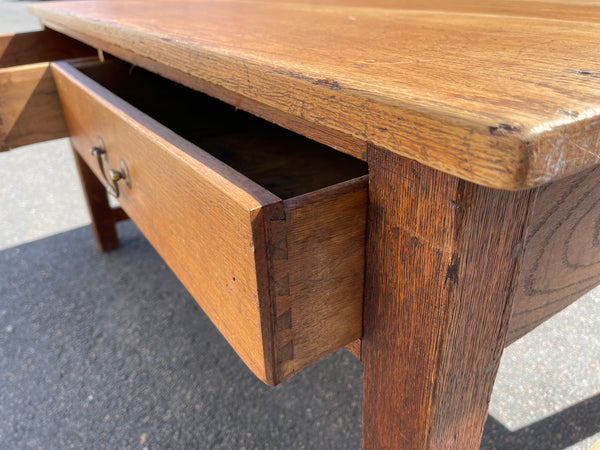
(281, 161)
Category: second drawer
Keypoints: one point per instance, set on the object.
(265, 228)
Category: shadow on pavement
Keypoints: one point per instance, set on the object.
(555, 432)
(110, 351)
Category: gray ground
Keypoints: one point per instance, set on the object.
(110, 351)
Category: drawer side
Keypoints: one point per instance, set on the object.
(40, 46)
(200, 215)
(30, 109)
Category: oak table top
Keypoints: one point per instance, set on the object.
(501, 93)
(480, 125)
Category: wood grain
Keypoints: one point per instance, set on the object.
(30, 109)
(561, 259)
(101, 213)
(486, 97)
(328, 136)
(196, 212)
(439, 287)
(119, 214)
(244, 142)
(317, 273)
(576, 10)
(241, 251)
(39, 46)
(354, 347)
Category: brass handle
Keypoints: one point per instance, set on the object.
(115, 175)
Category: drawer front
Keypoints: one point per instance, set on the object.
(243, 253)
(30, 109)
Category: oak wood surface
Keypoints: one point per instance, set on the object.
(317, 272)
(440, 279)
(504, 99)
(328, 136)
(277, 159)
(354, 347)
(39, 46)
(119, 214)
(214, 227)
(561, 259)
(576, 10)
(30, 109)
(102, 216)
(192, 208)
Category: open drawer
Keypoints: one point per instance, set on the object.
(265, 228)
(29, 106)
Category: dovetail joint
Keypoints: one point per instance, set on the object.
(280, 289)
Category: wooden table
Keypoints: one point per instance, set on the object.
(480, 125)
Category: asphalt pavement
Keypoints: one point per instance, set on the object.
(108, 350)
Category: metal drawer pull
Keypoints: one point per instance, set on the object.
(115, 175)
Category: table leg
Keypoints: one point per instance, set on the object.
(442, 259)
(103, 218)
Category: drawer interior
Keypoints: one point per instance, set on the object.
(279, 160)
(30, 109)
(267, 233)
(40, 46)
